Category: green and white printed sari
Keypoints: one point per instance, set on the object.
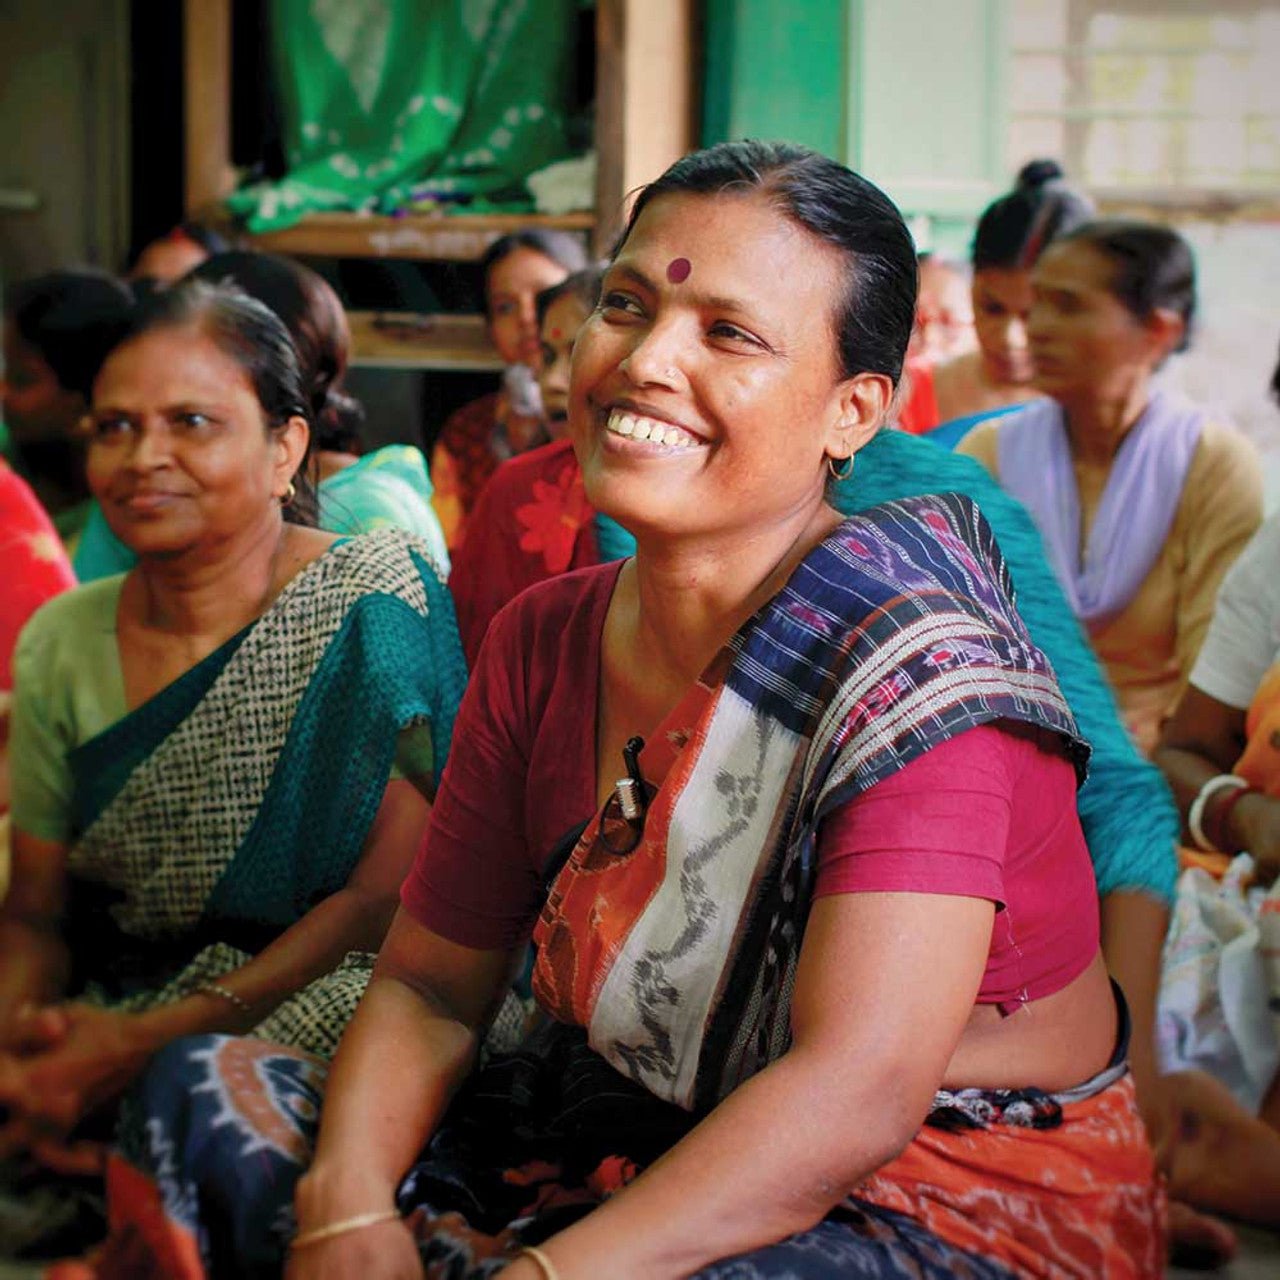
(224, 808)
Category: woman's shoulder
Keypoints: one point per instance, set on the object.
(1223, 445)
(75, 616)
(1225, 475)
(69, 643)
(369, 559)
(981, 444)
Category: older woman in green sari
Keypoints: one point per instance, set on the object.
(223, 759)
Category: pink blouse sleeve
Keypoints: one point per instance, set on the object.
(941, 824)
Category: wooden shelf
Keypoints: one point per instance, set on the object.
(646, 116)
(407, 340)
(460, 237)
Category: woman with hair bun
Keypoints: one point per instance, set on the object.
(1011, 235)
(1142, 500)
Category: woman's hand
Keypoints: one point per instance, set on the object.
(386, 1251)
(1257, 821)
(72, 1058)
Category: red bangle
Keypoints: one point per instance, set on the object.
(1222, 819)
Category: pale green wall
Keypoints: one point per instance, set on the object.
(909, 92)
(776, 70)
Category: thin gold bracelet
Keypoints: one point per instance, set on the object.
(541, 1261)
(225, 993)
(341, 1227)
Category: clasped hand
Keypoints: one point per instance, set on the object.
(58, 1064)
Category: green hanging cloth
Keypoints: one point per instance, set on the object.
(395, 104)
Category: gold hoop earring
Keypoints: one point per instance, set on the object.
(844, 471)
(289, 494)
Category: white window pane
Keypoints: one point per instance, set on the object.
(1134, 82)
(1038, 83)
(1036, 24)
(1219, 85)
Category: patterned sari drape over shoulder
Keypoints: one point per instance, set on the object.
(895, 634)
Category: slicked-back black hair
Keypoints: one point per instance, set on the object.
(317, 322)
(872, 320)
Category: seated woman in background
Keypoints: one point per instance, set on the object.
(532, 520)
(1142, 502)
(208, 831)
(57, 329)
(357, 492)
(1011, 234)
(480, 435)
(1221, 753)
(792, 1023)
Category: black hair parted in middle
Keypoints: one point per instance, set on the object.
(873, 320)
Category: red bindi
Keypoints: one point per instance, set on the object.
(678, 270)
(556, 335)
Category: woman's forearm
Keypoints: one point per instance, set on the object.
(771, 1160)
(398, 1066)
(313, 946)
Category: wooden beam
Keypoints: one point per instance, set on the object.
(459, 237)
(406, 340)
(646, 99)
(206, 38)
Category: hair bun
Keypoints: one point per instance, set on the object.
(1039, 173)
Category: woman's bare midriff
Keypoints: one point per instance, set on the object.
(1052, 1043)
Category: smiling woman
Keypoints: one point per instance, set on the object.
(820, 975)
(194, 848)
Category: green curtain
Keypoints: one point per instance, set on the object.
(393, 104)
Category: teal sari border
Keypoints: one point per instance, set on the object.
(101, 766)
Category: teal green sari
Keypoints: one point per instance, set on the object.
(223, 809)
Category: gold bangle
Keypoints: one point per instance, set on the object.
(217, 990)
(341, 1227)
(541, 1261)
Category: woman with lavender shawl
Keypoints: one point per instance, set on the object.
(1143, 503)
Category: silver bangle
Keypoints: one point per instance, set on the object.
(1195, 816)
(225, 993)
